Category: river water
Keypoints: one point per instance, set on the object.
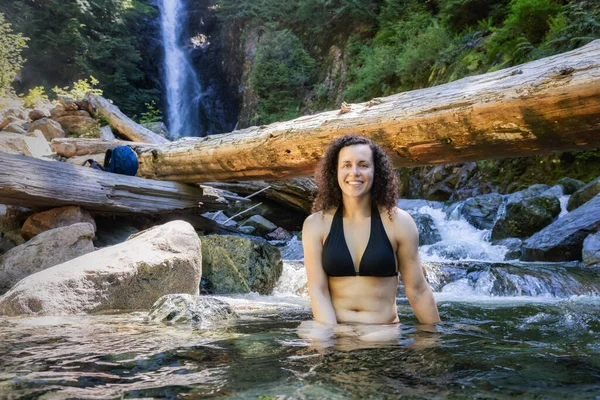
(525, 330)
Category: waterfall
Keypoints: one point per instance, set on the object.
(183, 88)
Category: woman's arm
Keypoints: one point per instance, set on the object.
(418, 291)
(318, 286)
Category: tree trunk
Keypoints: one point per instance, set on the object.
(71, 147)
(29, 182)
(548, 105)
(121, 122)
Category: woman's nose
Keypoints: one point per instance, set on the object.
(355, 170)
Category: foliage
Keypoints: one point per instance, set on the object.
(152, 113)
(34, 96)
(280, 71)
(11, 46)
(79, 89)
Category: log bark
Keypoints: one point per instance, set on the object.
(548, 105)
(29, 182)
(121, 122)
(71, 147)
(295, 193)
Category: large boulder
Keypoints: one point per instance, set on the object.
(49, 128)
(80, 125)
(563, 239)
(481, 211)
(584, 194)
(198, 311)
(132, 275)
(46, 250)
(527, 212)
(54, 218)
(591, 250)
(235, 264)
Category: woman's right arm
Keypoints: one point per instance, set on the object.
(318, 286)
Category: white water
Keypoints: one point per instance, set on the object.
(182, 86)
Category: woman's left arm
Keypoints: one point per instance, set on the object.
(418, 291)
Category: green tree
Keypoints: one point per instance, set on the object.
(11, 61)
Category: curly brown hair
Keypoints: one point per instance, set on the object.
(384, 192)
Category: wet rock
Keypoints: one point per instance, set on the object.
(563, 239)
(514, 246)
(234, 264)
(591, 250)
(49, 128)
(261, 224)
(54, 218)
(199, 311)
(455, 252)
(481, 211)
(129, 276)
(220, 218)
(46, 250)
(570, 185)
(584, 194)
(37, 114)
(428, 231)
(527, 212)
(279, 234)
(293, 280)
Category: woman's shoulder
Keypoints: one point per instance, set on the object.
(319, 219)
(401, 220)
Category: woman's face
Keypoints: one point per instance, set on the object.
(355, 170)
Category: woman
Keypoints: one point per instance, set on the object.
(357, 241)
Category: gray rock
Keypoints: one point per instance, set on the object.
(46, 250)
(563, 239)
(248, 230)
(584, 194)
(49, 128)
(106, 133)
(279, 234)
(234, 264)
(454, 252)
(481, 211)
(261, 224)
(428, 231)
(129, 276)
(570, 185)
(80, 125)
(525, 216)
(514, 246)
(220, 218)
(198, 311)
(16, 127)
(591, 250)
(530, 192)
(159, 128)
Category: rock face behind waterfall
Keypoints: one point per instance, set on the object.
(563, 239)
(129, 276)
(46, 250)
(234, 264)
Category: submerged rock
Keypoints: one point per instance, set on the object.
(46, 250)
(563, 239)
(234, 264)
(129, 276)
(57, 217)
(591, 250)
(584, 194)
(183, 308)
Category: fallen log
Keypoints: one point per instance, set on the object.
(71, 147)
(29, 182)
(295, 193)
(121, 122)
(548, 105)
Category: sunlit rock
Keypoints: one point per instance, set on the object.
(129, 276)
(54, 218)
(46, 250)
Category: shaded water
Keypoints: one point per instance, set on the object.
(493, 348)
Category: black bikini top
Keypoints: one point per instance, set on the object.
(378, 259)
